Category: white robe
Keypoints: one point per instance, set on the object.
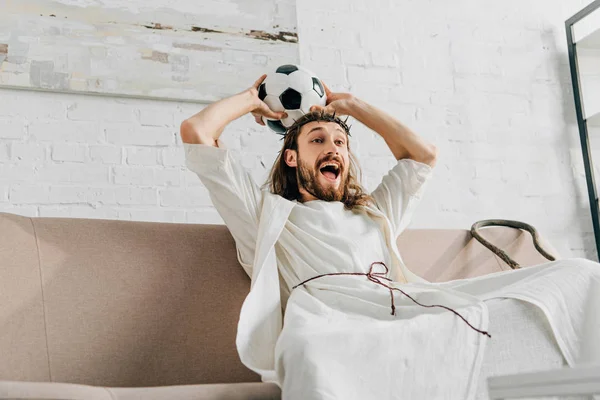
(339, 339)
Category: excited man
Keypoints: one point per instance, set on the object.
(333, 312)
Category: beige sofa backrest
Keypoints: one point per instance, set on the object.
(115, 303)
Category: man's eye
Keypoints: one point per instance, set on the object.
(337, 141)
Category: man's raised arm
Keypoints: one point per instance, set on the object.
(206, 126)
(403, 142)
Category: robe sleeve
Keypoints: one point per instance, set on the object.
(233, 192)
(400, 191)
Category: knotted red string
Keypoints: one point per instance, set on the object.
(376, 277)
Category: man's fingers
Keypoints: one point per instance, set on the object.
(327, 90)
(259, 81)
(274, 115)
(327, 110)
(259, 120)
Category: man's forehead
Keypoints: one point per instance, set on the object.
(322, 126)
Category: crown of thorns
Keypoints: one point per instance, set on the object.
(317, 116)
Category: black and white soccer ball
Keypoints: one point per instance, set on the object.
(293, 89)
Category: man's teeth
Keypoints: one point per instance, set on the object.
(336, 166)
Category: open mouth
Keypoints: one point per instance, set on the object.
(331, 171)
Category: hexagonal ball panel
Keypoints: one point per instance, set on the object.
(274, 103)
(312, 99)
(293, 116)
(301, 81)
(275, 84)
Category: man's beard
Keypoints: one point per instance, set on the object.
(309, 180)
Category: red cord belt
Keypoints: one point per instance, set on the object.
(376, 277)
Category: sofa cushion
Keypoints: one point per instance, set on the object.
(69, 391)
(137, 304)
(229, 391)
(51, 390)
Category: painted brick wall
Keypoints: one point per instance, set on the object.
(487, 82)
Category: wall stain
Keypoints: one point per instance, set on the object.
(282, 36)
(194, 46)
(158, 56)
(156, 25)
(206, 30)
(3, 48)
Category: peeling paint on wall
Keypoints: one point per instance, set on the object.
(280, 36)
(206, 30)
(288, 37)
(109, 47)
(155, 25)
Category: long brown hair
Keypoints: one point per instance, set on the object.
(282, 178)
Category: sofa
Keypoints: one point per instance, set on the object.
(106, 309)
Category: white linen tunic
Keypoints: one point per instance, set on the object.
(338, 338)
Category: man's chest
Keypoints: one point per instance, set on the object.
(347, 234)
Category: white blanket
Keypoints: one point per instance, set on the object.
(338, 338)
(523, 342)
(326, 353)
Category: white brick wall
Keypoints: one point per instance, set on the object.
(487, 82)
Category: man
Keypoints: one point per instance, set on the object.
(358, 324)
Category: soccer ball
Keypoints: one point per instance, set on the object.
(293, 89)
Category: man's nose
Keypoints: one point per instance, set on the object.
(332, 148)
